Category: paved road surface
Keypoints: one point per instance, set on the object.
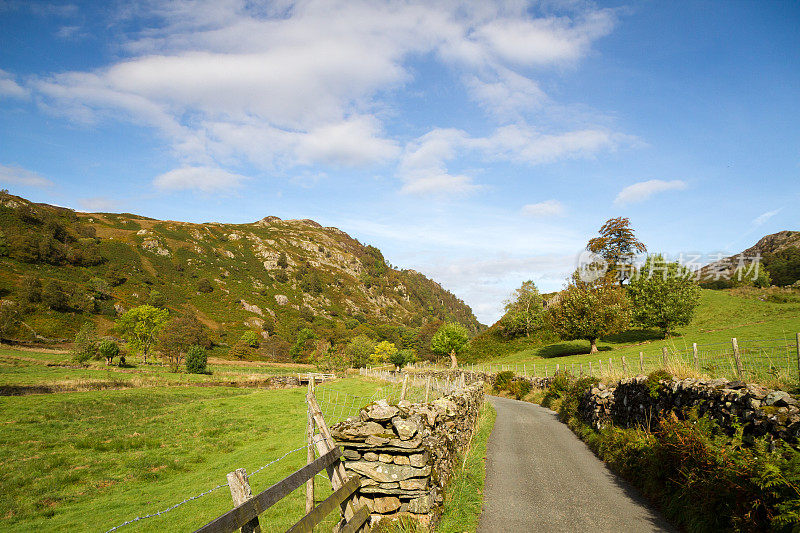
(541, 477)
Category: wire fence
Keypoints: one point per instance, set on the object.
(204, 493)
(754, 360)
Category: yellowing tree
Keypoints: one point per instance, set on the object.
(618, 245)
(383, 351)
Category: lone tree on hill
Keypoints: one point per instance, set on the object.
(617, 244)
(524, 310)
(141, 325)
(663, 295)
(589, 310)
(451, 338)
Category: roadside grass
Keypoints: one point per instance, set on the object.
(464, 497)
(89, 461)
(720, 316)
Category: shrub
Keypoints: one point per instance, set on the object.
(241, 350)
(571, 399)
(520, 388)
(204, 286)
(561, 383)
(503, 380)
(108, 349)
(654, 380)
(196, 360)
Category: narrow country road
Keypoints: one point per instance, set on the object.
(541, 477)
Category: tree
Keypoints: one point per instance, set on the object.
(451, 338)
(359, 349)
(589, 310)
(383, 351)
(401, 358)
(85, 345)
(617, 244)
(251, 338)
(663, 295)
(141, 325)
(55, 295)
(524, 310)
(300, 347)
(156, 299)
(108, 349)
(32, 289)
(178, 335)
(196, 360)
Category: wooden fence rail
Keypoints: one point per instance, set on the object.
(246, 509)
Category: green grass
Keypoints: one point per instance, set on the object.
(721, 316)
(29, 368)
(89, 461)
(464, 497)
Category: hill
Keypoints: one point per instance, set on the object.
(61, 268)
(779, 253)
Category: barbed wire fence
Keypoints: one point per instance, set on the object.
(204, 493)
(759, 360)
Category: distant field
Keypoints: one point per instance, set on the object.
(88, 461)
(46, 368)
(721, 316)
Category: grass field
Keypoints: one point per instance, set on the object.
(88, 461)
(55, 370)
(766, 332)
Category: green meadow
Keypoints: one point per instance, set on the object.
(88, 461)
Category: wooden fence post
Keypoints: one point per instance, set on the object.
(534, 365)
(405, 386)
(310, 451)
(641, 362)
(240, 492)
(663, 357)
(427, 389)
(798, 355)
(694, 357)
(580, 368)
(610, 366)
(624, 365)
(739, 369)
(591, 371)
(556, 368)
(524, 370)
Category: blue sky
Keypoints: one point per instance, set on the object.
(481, 143)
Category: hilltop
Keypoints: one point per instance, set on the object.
(778, 252)
(274, 276)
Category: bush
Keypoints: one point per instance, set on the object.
(196, 360)
(503, 380)
(561, 383)
(241, 350)
(204, 286)
(654, 380)
(572, 398)
(520, 388)
(108, 349)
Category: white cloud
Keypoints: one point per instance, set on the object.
(762, 218)
(305, 83)
(15, 175)
(546, 209)
(97, 204)
(639, 192)
(205, 179)
(10, 88)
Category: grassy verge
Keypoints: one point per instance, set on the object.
(89, 461)
(702, 479)
(464, 497)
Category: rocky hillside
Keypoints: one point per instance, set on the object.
(779, 253)
(274, 276)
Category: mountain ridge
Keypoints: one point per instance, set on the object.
(273, 275)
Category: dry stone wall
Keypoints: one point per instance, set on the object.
(406, 453)
(637, 401)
